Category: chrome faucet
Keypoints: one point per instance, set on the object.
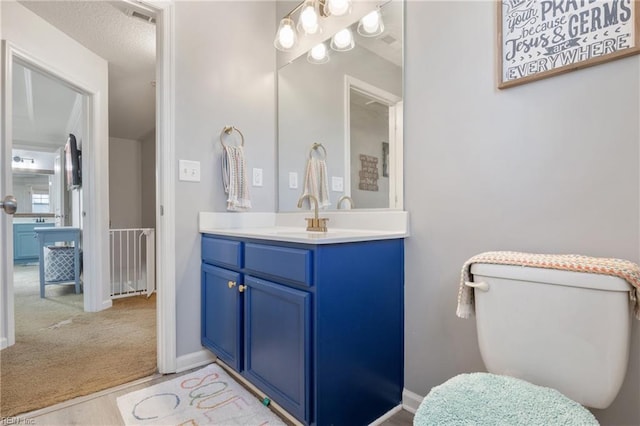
(314, 223)
(343, 198)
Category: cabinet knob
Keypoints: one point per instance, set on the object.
(231, 284)
(241, 288)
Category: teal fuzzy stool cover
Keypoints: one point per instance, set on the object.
(489, 399)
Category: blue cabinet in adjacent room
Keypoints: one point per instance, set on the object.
(317, 327)
(25, 242)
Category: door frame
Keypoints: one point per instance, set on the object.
(396, 146)
(96, 224)
(95, 266)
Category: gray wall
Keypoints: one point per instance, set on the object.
(225, 64)
(125, 183)
(550, 166)
(369, 128)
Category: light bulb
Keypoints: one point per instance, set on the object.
(309, 18)
(342, 40)
(339, 7)
(287, 38)
(370, 21)
(371, 24)
(319, 52)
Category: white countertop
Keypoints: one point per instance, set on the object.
(343, 226)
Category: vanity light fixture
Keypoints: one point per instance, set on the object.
(342, 41)
(19, 159)
(319, 54)
(309, 14)
(371, 24)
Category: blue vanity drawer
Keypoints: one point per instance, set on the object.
(222, 252)
(279, 262)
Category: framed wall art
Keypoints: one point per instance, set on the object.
(543, 38)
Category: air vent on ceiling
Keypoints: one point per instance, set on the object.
(389, 39)
(140, 15)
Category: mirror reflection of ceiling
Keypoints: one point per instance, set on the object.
(115, 31)
(388, 45)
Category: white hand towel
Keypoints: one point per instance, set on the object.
(316, 181)
(234, 177)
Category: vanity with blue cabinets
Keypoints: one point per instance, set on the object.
(317, 326)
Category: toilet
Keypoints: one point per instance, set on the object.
(553, 342)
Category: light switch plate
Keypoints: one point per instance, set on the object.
(257, 177)
(189, 170)
(293, 180)
(337, 184)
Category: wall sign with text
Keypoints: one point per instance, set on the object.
(541, 38)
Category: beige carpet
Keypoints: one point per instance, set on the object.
(62, 352)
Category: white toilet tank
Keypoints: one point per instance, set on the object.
(566, 330)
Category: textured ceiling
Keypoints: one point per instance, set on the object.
(127, 43)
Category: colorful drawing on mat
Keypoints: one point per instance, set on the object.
(208, 396)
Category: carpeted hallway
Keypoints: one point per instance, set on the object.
(62, 352)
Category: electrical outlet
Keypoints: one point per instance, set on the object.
(293, 180)
(189, 170)
(337, 184)
(257, 177)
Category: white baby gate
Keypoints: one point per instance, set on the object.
(132, 262)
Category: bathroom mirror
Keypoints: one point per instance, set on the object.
(352, 105)
(32, 190)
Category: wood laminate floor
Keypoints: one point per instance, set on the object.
(100, 409)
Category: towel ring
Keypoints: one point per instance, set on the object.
(315, 147)
(228, 130)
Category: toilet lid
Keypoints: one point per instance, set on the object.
(490, 399)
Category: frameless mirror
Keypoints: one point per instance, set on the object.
(352, 105)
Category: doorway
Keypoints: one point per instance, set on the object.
(373, 145)
(96, 220)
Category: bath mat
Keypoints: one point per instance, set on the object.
(489, 399)
(208, 396)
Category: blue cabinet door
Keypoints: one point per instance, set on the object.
(277, 343)
(222, 314)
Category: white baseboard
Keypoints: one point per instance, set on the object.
(106, 304)
(411, 401)
(386, 416)
(194, 360)
(4, 343)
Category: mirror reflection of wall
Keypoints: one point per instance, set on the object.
(313, 107)
(369, 140)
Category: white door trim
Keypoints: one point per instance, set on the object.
(165, 186)
(7, 325)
